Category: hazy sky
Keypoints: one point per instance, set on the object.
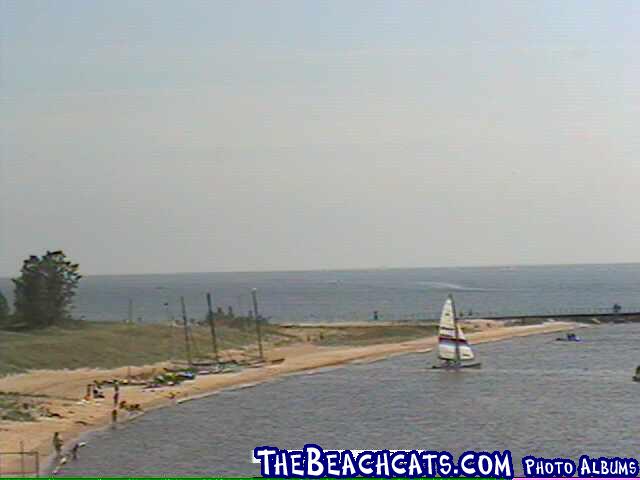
(169, 136)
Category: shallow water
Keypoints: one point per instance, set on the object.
(533, 396)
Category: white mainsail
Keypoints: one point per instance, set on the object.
(452, 344)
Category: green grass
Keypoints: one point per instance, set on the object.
(110, 345)
(373, 335)
(14, 408)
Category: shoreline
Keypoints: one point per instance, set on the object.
(79, 419)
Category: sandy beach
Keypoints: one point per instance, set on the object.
(64, 389)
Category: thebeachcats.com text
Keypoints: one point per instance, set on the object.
(585, 467)
(314, 462)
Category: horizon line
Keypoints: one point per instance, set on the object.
(357, 269)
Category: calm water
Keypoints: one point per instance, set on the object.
(533, 396)
(354, 295)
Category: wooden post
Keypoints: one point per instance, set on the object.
(257, 319)
(212, 326)
(186, 331)
(37, 454)
(22, 458)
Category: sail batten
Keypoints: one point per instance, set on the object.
(452, 343)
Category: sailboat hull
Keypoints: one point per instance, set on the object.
(457, 367)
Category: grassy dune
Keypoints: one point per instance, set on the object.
(111, 345)
(367, 335)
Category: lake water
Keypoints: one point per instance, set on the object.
(533, 396)
(354, 295)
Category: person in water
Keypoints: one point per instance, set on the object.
(74, 452)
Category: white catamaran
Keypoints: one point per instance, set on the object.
(453, 348)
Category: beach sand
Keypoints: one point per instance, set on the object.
(65, 388)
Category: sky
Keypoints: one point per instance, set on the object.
(162, 136)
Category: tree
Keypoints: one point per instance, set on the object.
(4, 310)
(45, 289)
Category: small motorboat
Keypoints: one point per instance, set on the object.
(571, 337)
(636, 377)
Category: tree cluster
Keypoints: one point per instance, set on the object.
(44, 290)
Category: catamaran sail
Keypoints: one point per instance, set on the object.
(452, 344)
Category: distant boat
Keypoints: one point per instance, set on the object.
(636, 377)
(571, 337)
(453, 349)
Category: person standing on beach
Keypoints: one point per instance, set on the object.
(57, 443)
(116, 394)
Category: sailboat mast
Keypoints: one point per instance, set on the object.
(212, 326)
(257, 318)
(455, 327)
(186, 331)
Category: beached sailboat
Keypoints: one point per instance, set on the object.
(453, 349)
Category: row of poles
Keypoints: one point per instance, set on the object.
(212, 327)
